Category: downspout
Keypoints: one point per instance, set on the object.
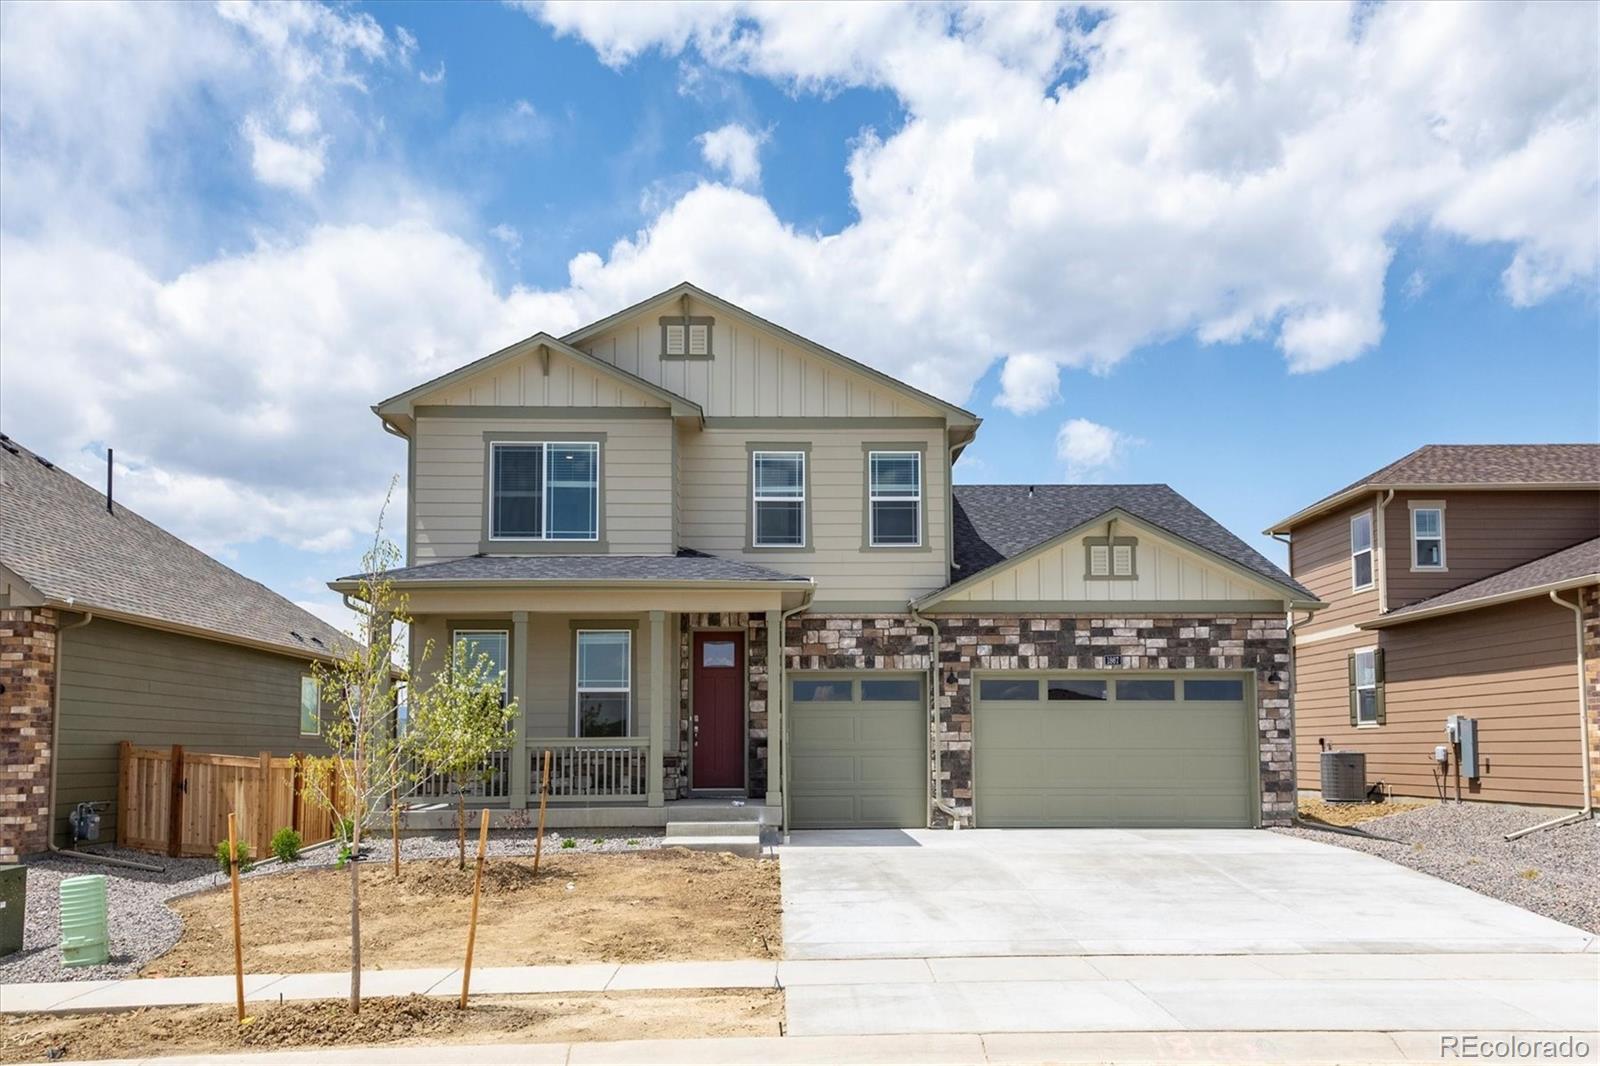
(1380, 541)
(1583, 730)
(55, 762)
(936, 801)
(779, 677)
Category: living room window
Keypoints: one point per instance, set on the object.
(1427, 538)
(604, 689)
(894, 499)
(549, 490)
(778, 499)
(1361, 551)
(493, 644)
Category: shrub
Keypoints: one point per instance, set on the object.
(344, 828)
(344, 856)
(241, 855)
(286, 845)
(569, 843)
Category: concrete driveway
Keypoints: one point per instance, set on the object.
(988, 892)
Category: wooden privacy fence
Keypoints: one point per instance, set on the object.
(178, 801)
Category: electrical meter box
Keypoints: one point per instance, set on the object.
(1463, 731)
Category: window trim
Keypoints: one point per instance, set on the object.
(1356, 688)
(1110, 544)
(1370, 550)
(791, 447)
(919, 499)
(920, 449)
(458, 631)
(685, 321)
(489, 544)
(578, 688)
(1414, 506)
(317, 691)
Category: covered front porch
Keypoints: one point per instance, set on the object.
(648, 696)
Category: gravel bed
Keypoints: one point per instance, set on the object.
(143, 927)
(1554, 872)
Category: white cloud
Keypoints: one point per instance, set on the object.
(735, 150)
(1089, 449)
(1028, 383)
(507, 235)
(432, 77)
(281, 162)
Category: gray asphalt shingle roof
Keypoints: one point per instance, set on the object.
(1568, 564)
(56, 534)
(993, 523)
(685, 566)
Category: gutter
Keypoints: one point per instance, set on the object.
(1587, 810)
(55, 763)
(782, 693)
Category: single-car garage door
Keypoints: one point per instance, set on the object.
(858, 753)
(1082, 750)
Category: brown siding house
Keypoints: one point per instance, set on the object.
(1484, 604)
(112, 629)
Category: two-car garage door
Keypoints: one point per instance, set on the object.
(1084, 750)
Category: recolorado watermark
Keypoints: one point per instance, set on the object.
(1555, 1048)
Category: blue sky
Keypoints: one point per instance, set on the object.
(1136, 242)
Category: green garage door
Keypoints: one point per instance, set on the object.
(1081, 750)
(857, 756)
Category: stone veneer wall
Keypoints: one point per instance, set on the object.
(1041, 642)
(1589, 599)
(676, 758)
(27, 702)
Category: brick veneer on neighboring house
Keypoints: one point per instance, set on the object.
(27, 676)
(1589, 599)
(1039, 642)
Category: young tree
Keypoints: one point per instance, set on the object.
(457, 723)
(367, 761)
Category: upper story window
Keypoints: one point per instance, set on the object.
(1361, 551)
(604, 689)
(1427, 538)
(545, 491)
(493, 645)
(894, 499)
(1113, 558)
(778, 499)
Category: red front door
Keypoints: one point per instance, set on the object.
(718, 710)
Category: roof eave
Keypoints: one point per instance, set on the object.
(1334, 502)
(344, 585)
(291, 651)
(1388, 621)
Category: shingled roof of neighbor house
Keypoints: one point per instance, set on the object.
(1567, 568)
(559, 569)
(57, 536)
(1471, 466)
(994, 523)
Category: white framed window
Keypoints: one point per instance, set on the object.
(778, 499)
(493, 643)
(310, 707)
(894, 499)
(1427, 538)
(1366, 692)
(1361, 551)
(604, 688)
(547, 490)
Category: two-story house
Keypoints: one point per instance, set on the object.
(718, 559)
(1460, 580)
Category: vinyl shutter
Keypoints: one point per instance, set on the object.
(1355, 701)
(1378, 687)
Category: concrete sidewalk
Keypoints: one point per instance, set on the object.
(951, 1050)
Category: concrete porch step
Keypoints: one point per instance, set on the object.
(748, 846)
(713, 829)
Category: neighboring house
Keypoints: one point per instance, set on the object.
(1452, 578)
(719, 559)
(112, 629)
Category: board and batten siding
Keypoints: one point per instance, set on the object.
(1164, 571)
(1485, 533)
(636, 460)
(1513, 667)
(153, 688)
(752, 372)
(523, 383)
(716, 502)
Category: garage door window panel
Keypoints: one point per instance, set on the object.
(824, 691)
(899, 691)
(1220, 689)
(1008, 689)
(1072, 690)
(1147, 691)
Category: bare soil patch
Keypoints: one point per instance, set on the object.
(653, 905)
(392, 1020)
(1348, 814)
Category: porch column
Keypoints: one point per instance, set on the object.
(775, 782)
(656, 795)
(520, 685)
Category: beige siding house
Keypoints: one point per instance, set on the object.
(721, 564)
(112, 629)
(1460, 580)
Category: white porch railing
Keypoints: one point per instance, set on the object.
(494, 783)
(591, 769)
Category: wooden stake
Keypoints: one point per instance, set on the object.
(544, 790)
(394, 827)
(238, 943)
(472, 924)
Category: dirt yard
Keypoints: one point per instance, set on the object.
(667, 904)
(411, 1020)
(1348, 814)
